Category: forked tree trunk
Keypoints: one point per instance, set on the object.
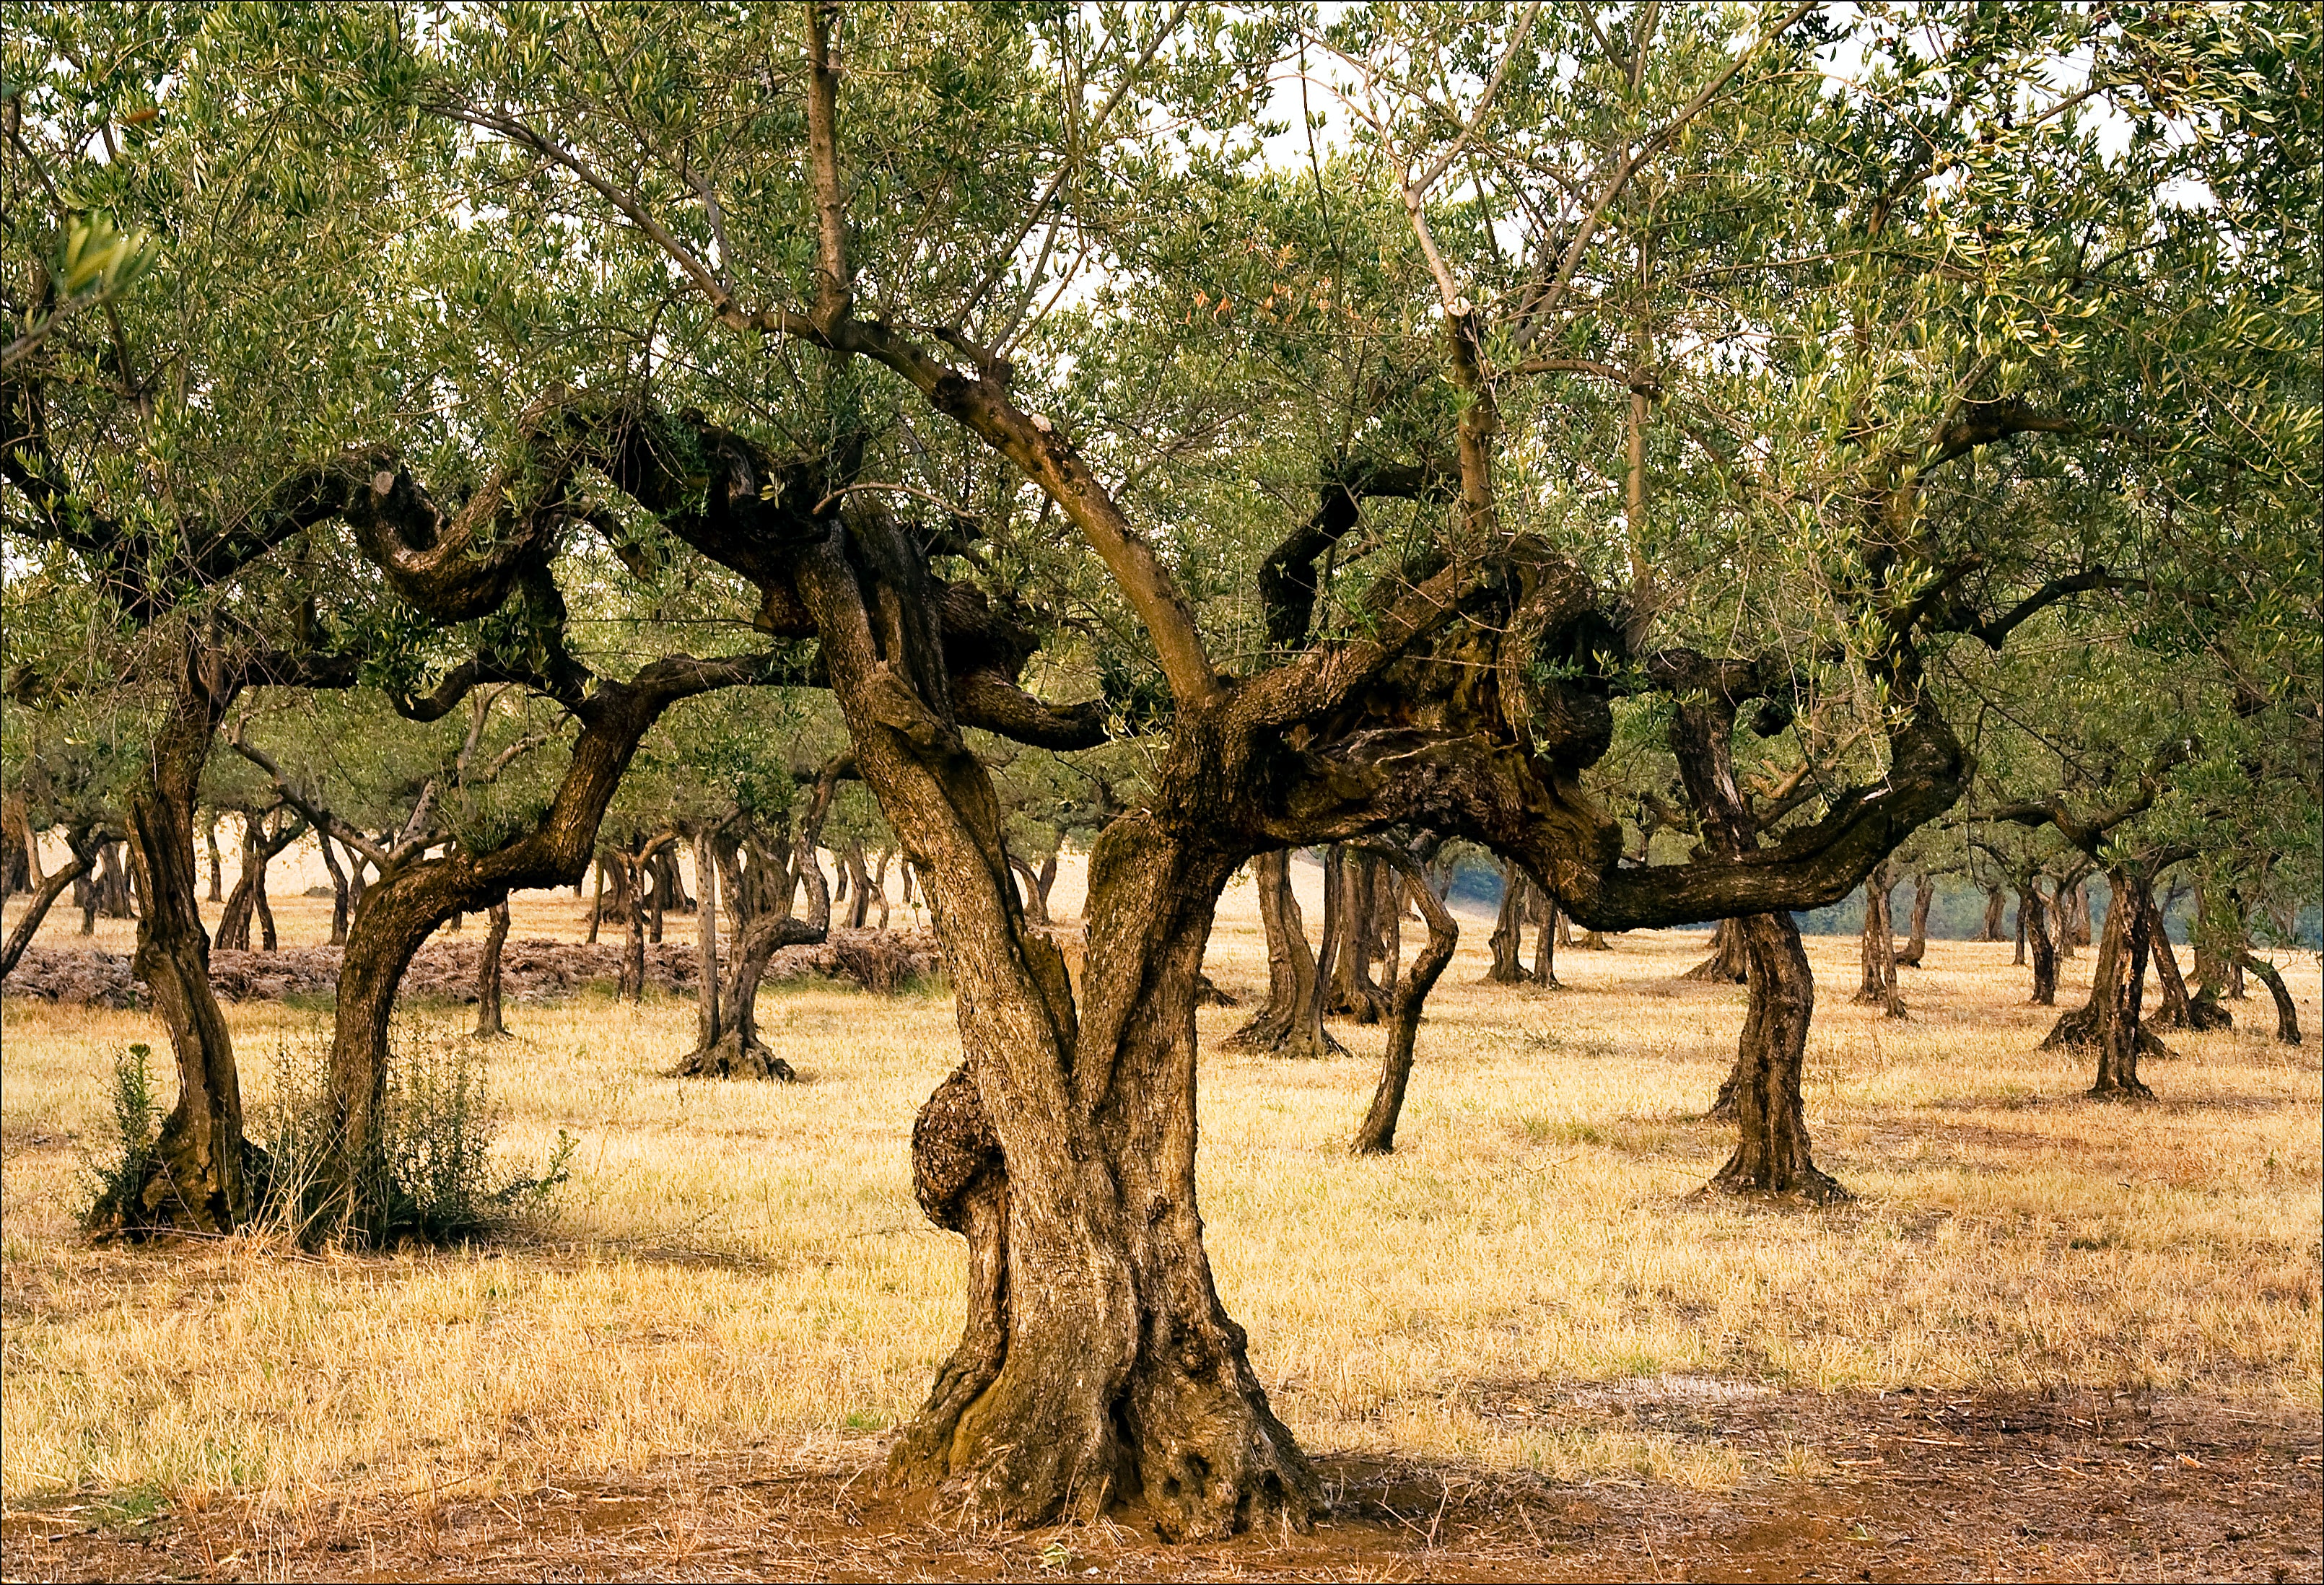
(1376, 1136)
(2287, 1011)
(1729, 962)
(203, 1176)
(1772, 1156)
(1291, 1024)
(1036, 899)
(44, 897)
(258, 849)
(2110, 1021)
(2033, 920)
(1507, 939)
(489, 1026)
(1925, 891)
(1877, 950)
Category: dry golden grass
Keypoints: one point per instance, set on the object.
(741, 1267)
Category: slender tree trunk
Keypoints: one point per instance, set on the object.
(2035, 927)
(1772, 1156)
(1376, 1136)
(597, 899)
(209, 838)
(44, 897)
(2062, 918)
(2018, 961)
(633, 964)
(2179, 1010)
(267, 940)
(2287, 1011)
(705, 883)
(1925, 891)
(234, 921)
(859, 887)
(339, 889)
(489, 1025)
(1037, 902)
(880, 885)
(1729, 962)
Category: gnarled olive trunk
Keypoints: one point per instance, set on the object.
(339, 910)
(1996, 909)
(2287, 1011)
(489, 1025)
(2179, 1009)
(2033, 920)
(1507, 939)
(1353, 993)
(2110, 1021)
(1877, 949)
(1291, 1024)
(1544, 939)
(1772, 1156)
(202, 1172)
(1729, 962)
(1925, 891)
(1376, 1136)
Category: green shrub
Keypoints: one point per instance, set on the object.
(115, 1171)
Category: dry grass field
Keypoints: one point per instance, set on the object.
(2048, 1338)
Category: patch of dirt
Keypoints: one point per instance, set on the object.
(1905, 1485)
(446, 970)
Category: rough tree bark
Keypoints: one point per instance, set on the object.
(1544, 940)
(1376, 1136)
(2179, 1010)
(1996, 909)
(489, 1024)
(1773, 1155)
(259, 847)
(1507, 943)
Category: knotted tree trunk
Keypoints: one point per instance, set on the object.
(204, 1177)
(1354, 994)
(1996, 907)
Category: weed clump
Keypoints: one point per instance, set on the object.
(430, 1178)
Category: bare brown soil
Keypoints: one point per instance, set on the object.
(1903, 1486)
(444, 971)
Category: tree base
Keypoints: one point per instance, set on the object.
(2078, 1031)
(1208, 994)
(159, 1204)
(1891, 1005)
(1811, 1188)
(731, 1058)
(2134, 1091)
